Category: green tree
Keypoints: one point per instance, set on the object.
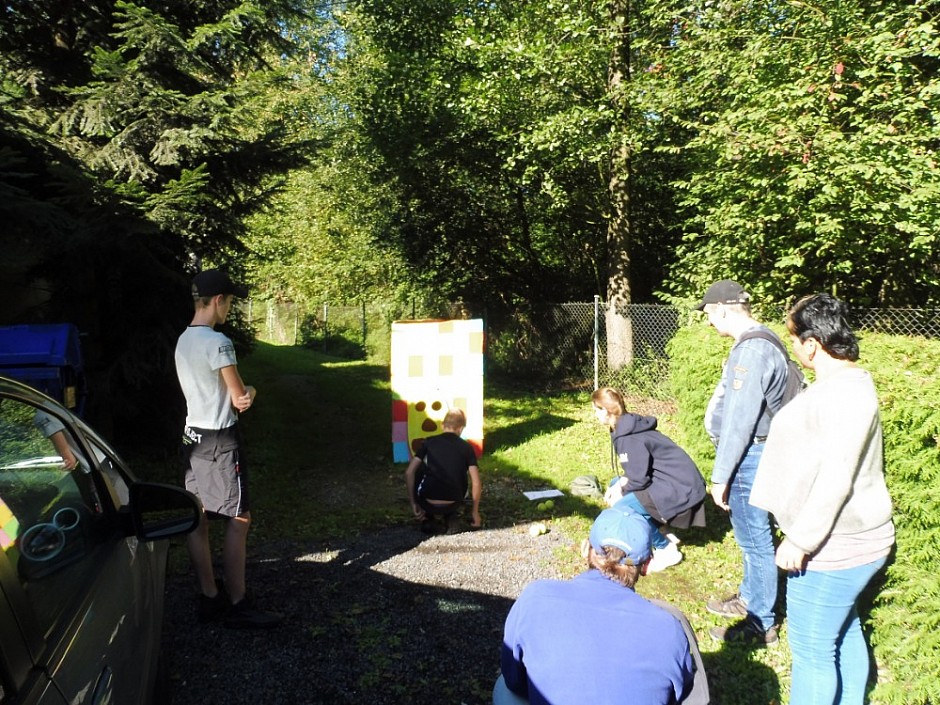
(815, 138)
(495, 124)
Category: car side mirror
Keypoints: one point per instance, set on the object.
(159, 511)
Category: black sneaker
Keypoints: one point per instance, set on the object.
(212, 609)
(244, 615)
(746, 632)
(732, 607)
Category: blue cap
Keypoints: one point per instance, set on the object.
(626, 530)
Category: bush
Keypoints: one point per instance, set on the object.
(905, 612)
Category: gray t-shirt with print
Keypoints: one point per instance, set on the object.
(201, 353)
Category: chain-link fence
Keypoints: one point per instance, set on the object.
(343, 331)
(569, 346)
(923, 322)
(577, 346)
(352, 332)
(274, 322)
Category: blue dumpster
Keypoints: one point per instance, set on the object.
(47, 357)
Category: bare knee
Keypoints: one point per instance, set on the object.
(239, 524)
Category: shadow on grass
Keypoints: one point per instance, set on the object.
(518, 433)
(354, 631)
(735, 676)
(319, 444)
(351, 633)
(717, 526)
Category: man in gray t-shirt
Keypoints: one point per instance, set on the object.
(214, 465)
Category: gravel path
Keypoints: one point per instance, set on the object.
(392, 616)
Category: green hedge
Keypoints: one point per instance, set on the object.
(904, 620)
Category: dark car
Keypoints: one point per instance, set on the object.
(83, 549)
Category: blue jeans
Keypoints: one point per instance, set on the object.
(503, 696)
(751, 528)
(630, 501)
(830, 657)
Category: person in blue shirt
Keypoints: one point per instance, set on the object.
(561, 636)
(737, 419)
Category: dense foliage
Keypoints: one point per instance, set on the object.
(496, 125)
(787, 145)
(903, 619)
(503, 154)
(814, 129)
(134, 140)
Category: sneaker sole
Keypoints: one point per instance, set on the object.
(709, 607)
(659, 567)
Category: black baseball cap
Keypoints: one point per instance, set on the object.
(213, 282)
(725, 291)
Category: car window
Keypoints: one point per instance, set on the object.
(51, 515)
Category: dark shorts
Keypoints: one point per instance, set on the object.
(214, 469)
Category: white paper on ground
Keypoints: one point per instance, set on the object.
(542, 494)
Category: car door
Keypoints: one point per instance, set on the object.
(82, 594)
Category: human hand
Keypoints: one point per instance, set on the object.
(418, 511)
(585, 547)
(789, 557)
(477, 521)
(615, 492)
(243, 402)
(719, 493)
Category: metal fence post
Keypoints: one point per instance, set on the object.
(364, 330)
(596, 336)
(270, 320)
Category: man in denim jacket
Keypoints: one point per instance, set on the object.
(737, 419)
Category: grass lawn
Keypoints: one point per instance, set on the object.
(319, 447)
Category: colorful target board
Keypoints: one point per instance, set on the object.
(437, 365)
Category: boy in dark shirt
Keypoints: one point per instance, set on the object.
(437, 476)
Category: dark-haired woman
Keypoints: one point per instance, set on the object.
(822, 477)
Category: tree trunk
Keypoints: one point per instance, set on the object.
(619, 324)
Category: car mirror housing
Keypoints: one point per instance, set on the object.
(158, 511)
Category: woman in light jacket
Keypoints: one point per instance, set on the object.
(822, 477)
